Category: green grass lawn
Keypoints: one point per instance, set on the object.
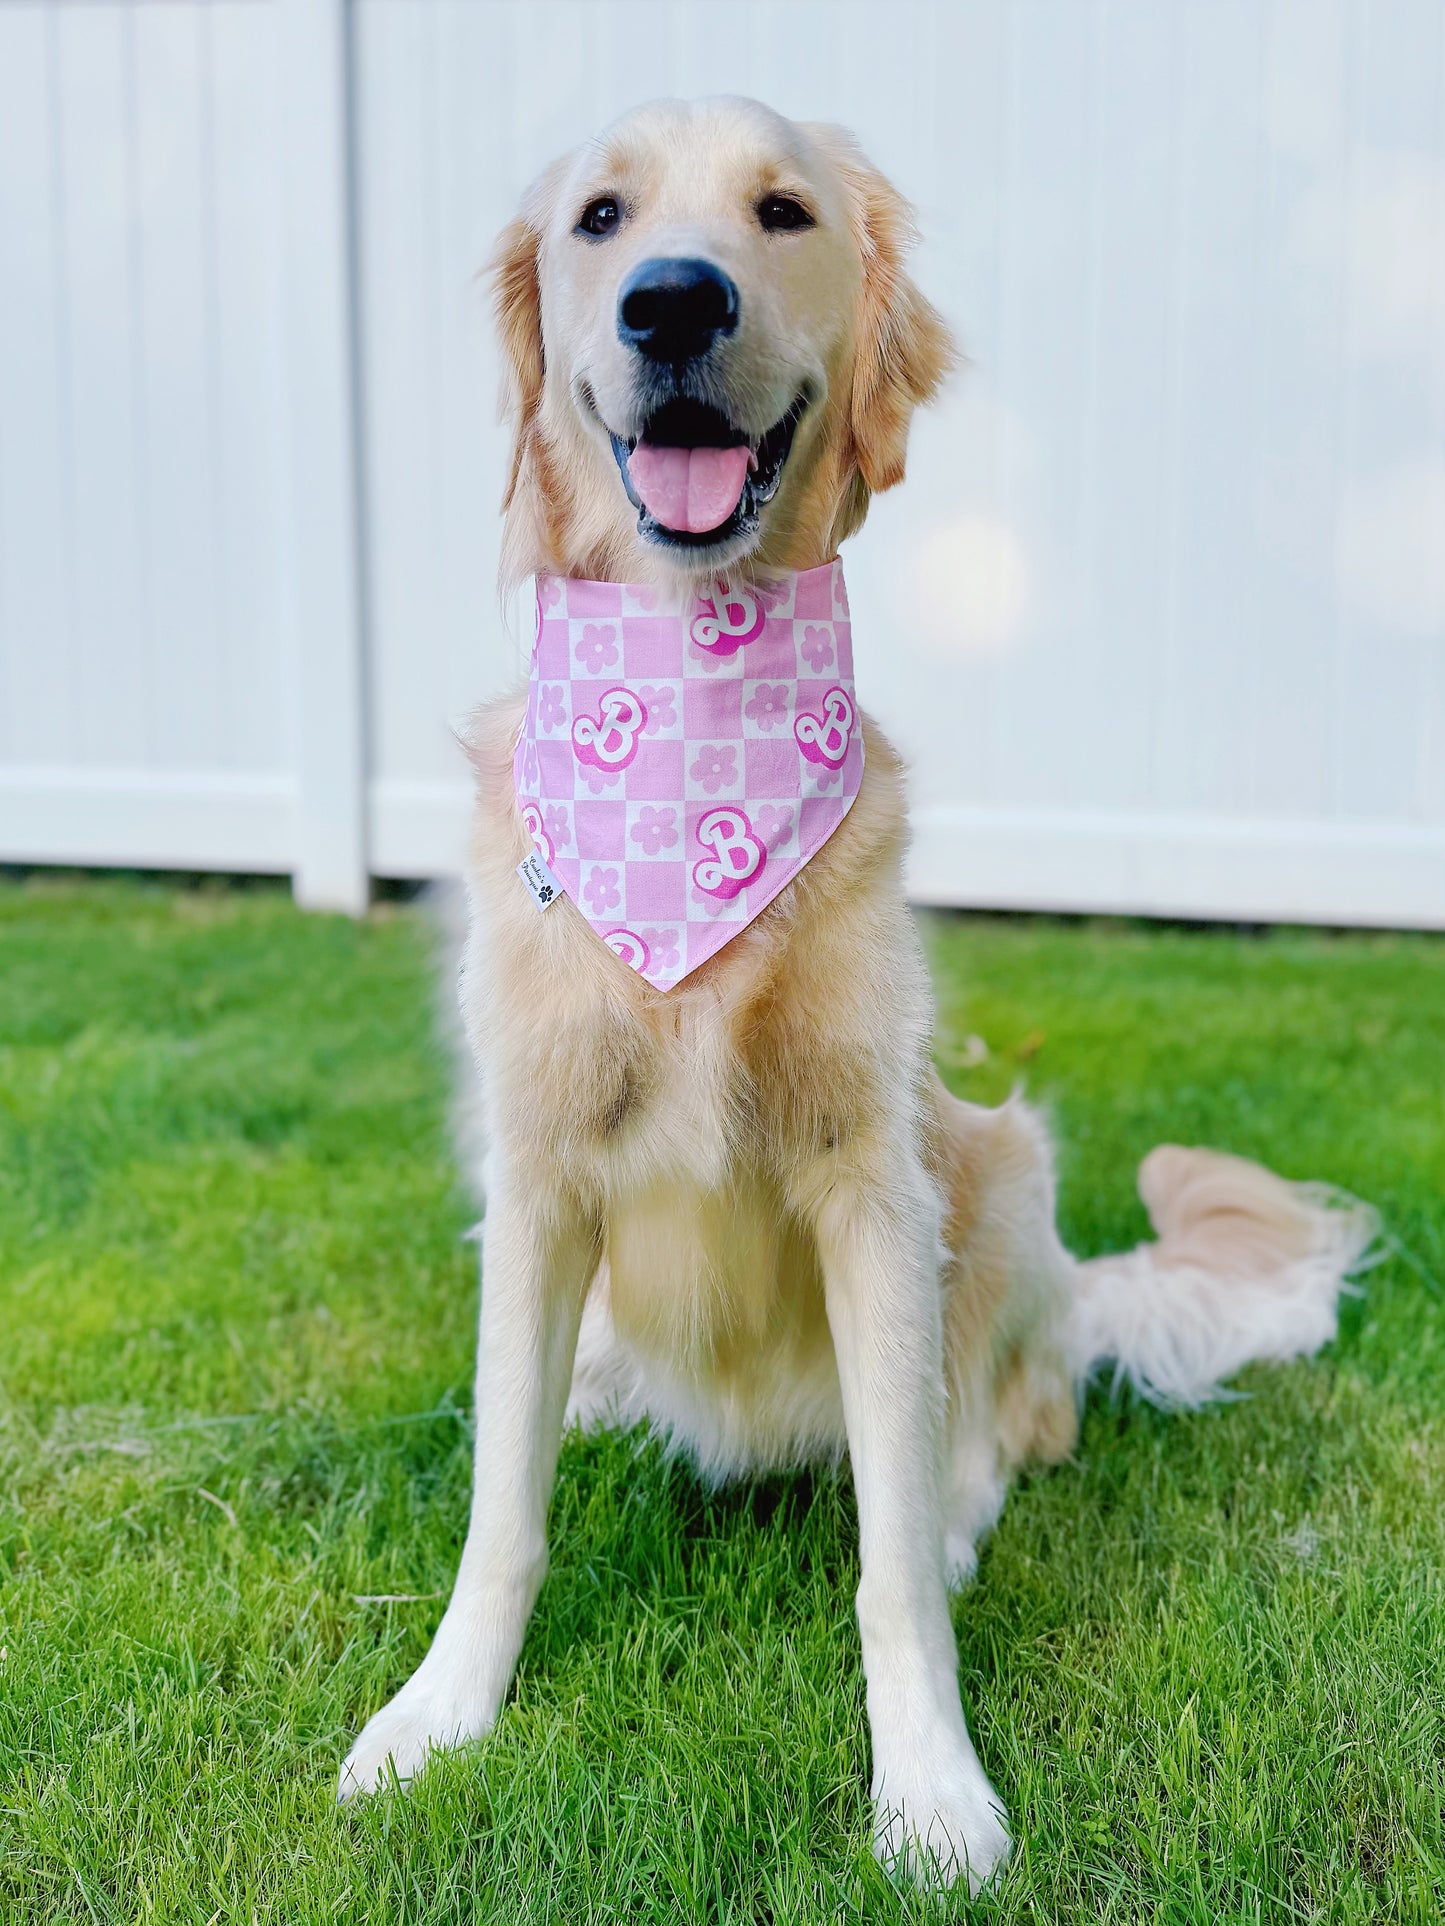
(1204, 1662)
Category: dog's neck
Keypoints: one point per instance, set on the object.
(680, 582)
(630, 560)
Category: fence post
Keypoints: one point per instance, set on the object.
(325, 602)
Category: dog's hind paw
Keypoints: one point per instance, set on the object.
(951, 1831)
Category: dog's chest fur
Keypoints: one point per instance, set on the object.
(667, 1115)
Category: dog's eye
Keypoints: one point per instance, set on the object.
(781, 214)
(600, 217)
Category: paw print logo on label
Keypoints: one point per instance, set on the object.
(730, 618)
(629, 946)
(737, 854)
(825, 738)
(535, 827)
(609, 741)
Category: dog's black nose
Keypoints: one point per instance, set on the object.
(675, 310)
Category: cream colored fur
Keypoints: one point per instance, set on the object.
(747, 1211)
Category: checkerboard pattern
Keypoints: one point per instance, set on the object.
(679, 764)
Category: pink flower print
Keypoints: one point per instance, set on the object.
(601, 890)
(550, 713)
(556, 821)
(769, 704)
(710, 662)
(662, 948)
(818, 647)
(598, 648)
(549, 591)
(770, 594)
(655, 829)
(598, 779)
(645, 598)
(529, 766)
(659, 706)
(824, 777)
(715, 766)
(774, 826)
(714, 905)
(840, 593)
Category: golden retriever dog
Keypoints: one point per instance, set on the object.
(746, 1210)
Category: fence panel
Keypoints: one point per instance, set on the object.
(145, 711)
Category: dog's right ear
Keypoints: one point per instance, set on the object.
(517, 307)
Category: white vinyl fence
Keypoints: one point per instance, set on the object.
(1159, 616)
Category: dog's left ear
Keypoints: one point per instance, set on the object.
(902, 345)
(517, 304)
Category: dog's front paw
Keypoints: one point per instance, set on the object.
(940, 1826)
(426, 1716)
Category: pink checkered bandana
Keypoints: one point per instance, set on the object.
(679, 765)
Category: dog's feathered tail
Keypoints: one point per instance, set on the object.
(1246, 1267)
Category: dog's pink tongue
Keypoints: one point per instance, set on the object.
(688, 488)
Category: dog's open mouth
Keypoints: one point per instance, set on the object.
(695, 479)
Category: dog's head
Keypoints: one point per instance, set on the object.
(711, 348)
